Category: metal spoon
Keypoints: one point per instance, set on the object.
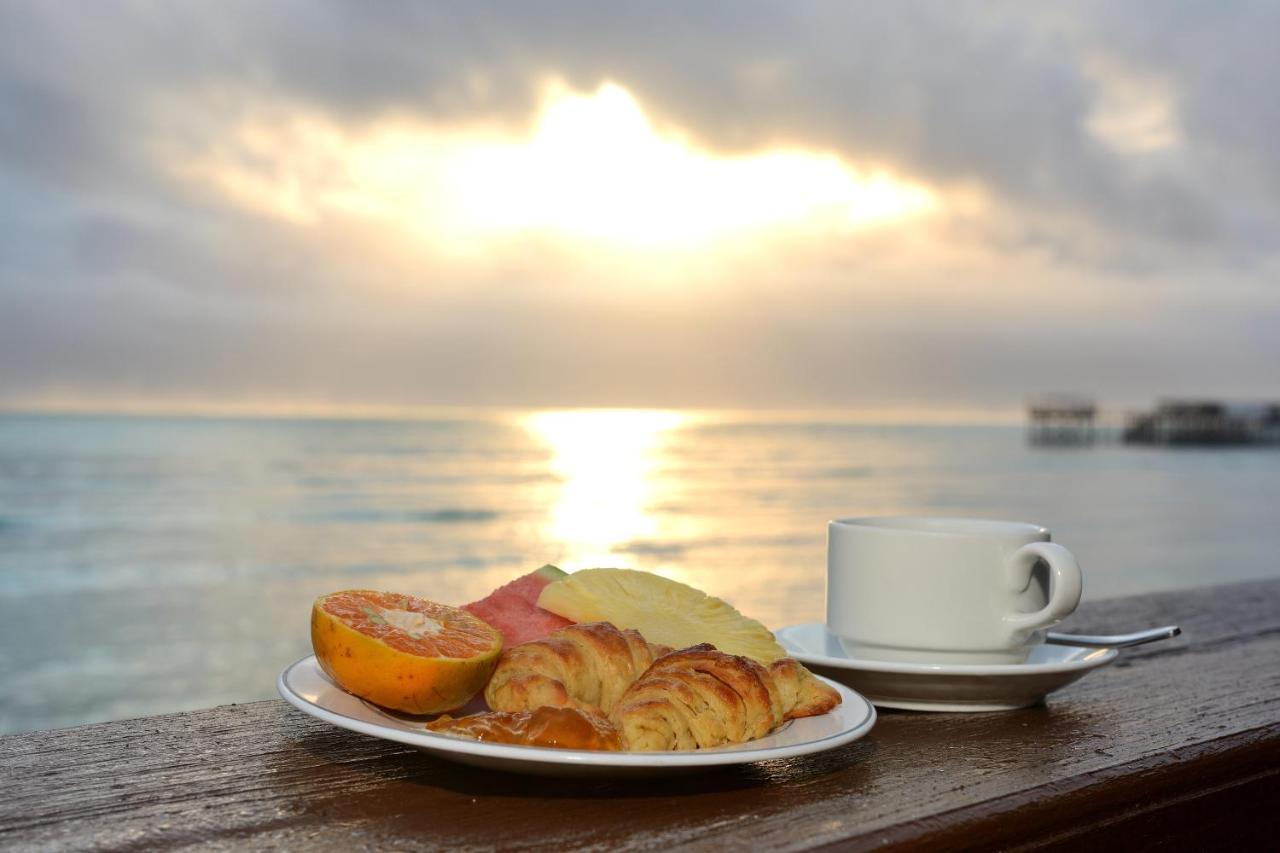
(1113, 641)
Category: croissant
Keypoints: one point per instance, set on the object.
(803, 695)
(585, 666)
(699, 698)
(558, 728)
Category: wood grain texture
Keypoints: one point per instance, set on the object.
(1177, 745)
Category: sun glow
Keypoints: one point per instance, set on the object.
(607, 462)
(593, 167)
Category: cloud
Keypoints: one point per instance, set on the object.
(1120, 154)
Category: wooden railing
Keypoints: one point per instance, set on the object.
(1175, 744)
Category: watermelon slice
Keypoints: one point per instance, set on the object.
(513, 609)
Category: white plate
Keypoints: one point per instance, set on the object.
(943, 687)
(305, 686)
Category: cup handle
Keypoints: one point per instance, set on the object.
(1065, 585)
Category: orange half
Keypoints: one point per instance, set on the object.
(403, 652)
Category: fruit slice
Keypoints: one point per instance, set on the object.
(513, 609)
(403, 652)
(664, 611)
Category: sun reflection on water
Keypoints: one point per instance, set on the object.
(607, 462)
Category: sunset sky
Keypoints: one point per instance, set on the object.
(851, 205)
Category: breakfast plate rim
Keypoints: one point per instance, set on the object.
(861, 712)
(1089, 660)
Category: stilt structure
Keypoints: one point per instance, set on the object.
(1062, 420)
(1205, 423)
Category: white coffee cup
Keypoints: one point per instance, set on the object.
(945, 590)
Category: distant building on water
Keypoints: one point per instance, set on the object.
(1205, 422)
(1062, 419)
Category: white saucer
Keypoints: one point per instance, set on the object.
(306, 687)
(943, 687)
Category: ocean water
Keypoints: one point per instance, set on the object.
(160, 564)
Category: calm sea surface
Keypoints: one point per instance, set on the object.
(160, 564)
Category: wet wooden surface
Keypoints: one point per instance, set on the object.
(1177, 745)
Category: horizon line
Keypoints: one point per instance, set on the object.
(870, 414)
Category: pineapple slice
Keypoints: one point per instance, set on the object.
(663, 611)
